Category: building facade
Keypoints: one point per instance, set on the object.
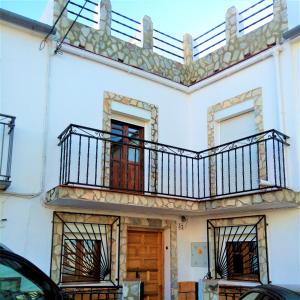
(125, 161)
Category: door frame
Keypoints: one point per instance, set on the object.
(161, 231)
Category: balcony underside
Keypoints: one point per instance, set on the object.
(101, 199)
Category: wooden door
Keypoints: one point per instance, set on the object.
(145, 261)
(127, 157)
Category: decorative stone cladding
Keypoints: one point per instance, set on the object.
(59, 219)
(256, 96)
(238, 47)
(84, 197)
(110, 97)
(126, 222)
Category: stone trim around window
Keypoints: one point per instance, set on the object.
(255, 95)
(110, 97)
(259, 223)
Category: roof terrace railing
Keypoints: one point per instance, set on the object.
(167, 44)
(100, 159)
(250, 18)
(143, 35)
(256, 15)
(85, 11)
(210, 40)
(124, 26)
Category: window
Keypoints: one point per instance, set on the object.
(81, 260)
(237, 249)
(242, 260)
(85, 249)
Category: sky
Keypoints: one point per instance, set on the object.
(174, 17)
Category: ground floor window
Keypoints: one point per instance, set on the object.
(238, 248)
(81, 260)
(85, 249)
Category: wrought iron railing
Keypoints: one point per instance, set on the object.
(231, 292)
(92, 294)
(7, 124)
(96, 158)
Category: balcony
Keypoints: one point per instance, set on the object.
(7, 124)
(96, 159)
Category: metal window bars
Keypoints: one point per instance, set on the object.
(248, 165)
(235, 248)
(7, 125)
(89, 249)
(92, 294)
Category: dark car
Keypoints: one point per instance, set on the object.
(272, 292)
(22, 280)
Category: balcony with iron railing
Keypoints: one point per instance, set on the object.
(97, 159)
(7, 124)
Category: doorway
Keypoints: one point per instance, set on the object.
(127, 157)
(145, 261)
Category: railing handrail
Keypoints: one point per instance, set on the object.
(65, 134)
(13, 118)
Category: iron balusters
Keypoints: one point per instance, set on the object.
(96, 158)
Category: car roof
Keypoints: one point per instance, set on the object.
(284, 292)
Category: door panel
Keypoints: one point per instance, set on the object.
(145, 261)
(127, 159)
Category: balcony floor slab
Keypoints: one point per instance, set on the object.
(87, 198)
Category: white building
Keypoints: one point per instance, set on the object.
(180, 168)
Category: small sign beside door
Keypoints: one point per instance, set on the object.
(199, 254)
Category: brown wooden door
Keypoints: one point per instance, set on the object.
(145, 261)
(127, 157)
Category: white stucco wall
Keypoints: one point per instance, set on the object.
(283, 245)
(266, 75)
(64, 89)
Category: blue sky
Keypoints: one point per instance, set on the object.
(171, 16)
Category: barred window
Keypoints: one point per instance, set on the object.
(81, 260)
(242, 260)
(237, 249)
(85, 249)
